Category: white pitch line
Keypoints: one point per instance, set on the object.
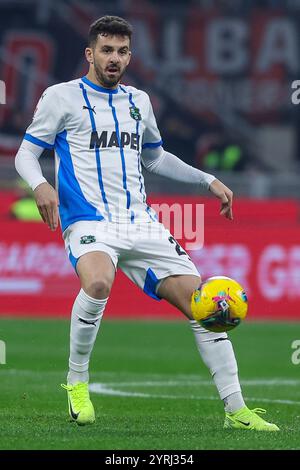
(175, 383)
(103, 389)
(181, 380)
(269, 400)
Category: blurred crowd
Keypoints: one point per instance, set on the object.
(250, 126)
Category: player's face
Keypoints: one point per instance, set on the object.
(110, 58)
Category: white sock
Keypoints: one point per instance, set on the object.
(234, 402)
(85, 321)
(217, 354)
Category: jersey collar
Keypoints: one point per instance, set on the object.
(98, 87)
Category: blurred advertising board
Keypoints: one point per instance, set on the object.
(260, 249)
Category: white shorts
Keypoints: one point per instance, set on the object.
(146, 253)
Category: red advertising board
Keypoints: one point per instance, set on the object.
(260, 249)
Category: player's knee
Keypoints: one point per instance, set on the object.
(194, 285)
(98, 288)
(178, 290)
(188, 301)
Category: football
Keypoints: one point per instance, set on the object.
(219, 304)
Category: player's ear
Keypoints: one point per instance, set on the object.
(129, 57)
(89, 55)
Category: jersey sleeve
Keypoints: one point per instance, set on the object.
(47, 121)
(151, 136)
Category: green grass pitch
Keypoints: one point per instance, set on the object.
(150, 388)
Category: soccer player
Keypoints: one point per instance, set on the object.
(103, 132)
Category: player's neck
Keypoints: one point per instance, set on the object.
(92, 78)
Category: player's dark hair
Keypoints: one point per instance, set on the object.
(112, 25)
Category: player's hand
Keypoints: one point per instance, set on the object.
(47, 203)
(225, 194)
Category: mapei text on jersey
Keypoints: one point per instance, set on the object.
(112, 139)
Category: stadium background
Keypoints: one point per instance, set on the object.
(219, 74)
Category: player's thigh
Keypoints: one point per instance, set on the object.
(178, 290)
(161, 268)
(91, 255)
(97, 273)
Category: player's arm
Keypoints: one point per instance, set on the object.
(161, 162)
(28, 167)
(41, 133)
(225, 195)
(156, 160)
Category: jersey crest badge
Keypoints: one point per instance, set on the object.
(135, 113)
(86, 239)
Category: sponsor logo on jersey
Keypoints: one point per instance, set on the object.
(135, 113)
(88, 107)
(110, 139)
(86, 239)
